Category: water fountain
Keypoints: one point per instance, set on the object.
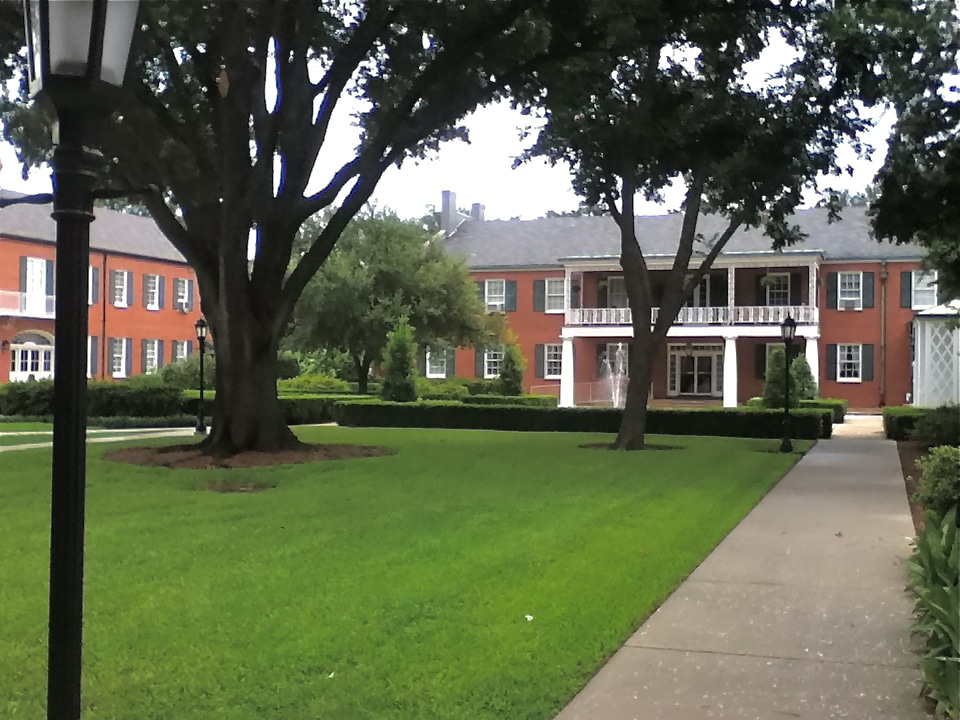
(614, 375)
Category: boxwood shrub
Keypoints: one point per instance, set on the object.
(807, 424)
(515, 400)
(899, 420)
(313, 384)
(837, 405)
(104, 399)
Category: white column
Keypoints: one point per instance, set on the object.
(566, 373)
(731, 295)
(812, 353)
(812, 288)
(730, 372)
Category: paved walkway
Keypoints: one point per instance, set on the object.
(104, 437)
(800, 612)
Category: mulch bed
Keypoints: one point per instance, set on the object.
(190, 457)
(648, 446)
(910, 451)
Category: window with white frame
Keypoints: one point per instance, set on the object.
(778, 288)
(552, 360)
(924, 289)
(436, 362)
(151, 354)
(555, 293)
(617, 292)
(120, 278)
(848, 363)
(495, 295)
(492, 358)
(850, 290)
(181, 289)
(151, 291)
(181, 349)
(118, 357)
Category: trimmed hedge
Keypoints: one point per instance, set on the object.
(123, 422)
(807, 424)
(440, 389)
(513, 400)
(104, 399)
(313, 384)
(940, 426)
(837, 405)
(899, 420)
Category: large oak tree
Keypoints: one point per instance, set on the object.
(228, 106)
(680, 105)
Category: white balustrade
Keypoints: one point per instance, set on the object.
(18, 304)
(720, 315)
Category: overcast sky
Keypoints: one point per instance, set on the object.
(478, 172)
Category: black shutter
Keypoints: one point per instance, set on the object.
(760, 290)
(145, 286)
(539, 361)
(159, 354)
(130, 289)
(422, 360)
(832, 290)
(718, 290)
(510, 299)
(866, 362)
(478, 363)
(23, 274)
(867, 283)
(451, 362)
(831, 361)
(129, 358)
(760, 359)
(601, 356)
(575, 295)
(481, 290)
(50, 290)
(539, 295)
(906, 289)
(602, 294)
(95, 290)
(143, 356)
(94, 355)
(795, 285)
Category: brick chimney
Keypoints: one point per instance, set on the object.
(448, 212)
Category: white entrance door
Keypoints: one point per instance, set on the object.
(35, 292)
(696, 371)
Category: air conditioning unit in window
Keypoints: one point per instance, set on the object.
(848, 305)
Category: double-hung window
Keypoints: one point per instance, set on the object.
(778, 289)
(118, 357)
(849, 366)
(151, 355)
(120, 287)
(151, 292)
(850, 290)
(552, 360)
(492, 358)
(181, 349)
(617, 292)
(436, 362)
(495, 295)
(554, 293)
(924, 289)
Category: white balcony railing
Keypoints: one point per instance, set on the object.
(739, 315)
(20, 304)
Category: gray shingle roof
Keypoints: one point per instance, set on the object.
(112, 231)
(546, 242)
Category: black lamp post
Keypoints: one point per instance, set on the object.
(201, 328)
(77, 56)
(788, 330)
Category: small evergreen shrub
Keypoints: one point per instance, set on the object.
(939, 488)
(399, 363)
(940, 426)
(774, 388)
(316, 383)
(803, 383)
(512, 368)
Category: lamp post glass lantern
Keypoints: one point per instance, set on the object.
(788, 331)
(76, 56)
(201, 328)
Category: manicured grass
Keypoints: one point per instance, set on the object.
(22, 426)
(390, 587)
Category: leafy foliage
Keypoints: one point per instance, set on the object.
(938, 426)
(399, 363)
(185, 374)
(774, 388)
(512, 368)
(935, 579)
(939, 488)
(802, 376)
(314, 383)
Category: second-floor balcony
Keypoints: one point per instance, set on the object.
(18, 304)
(721, 315)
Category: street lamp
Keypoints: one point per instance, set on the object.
(201, 328)
(788, 330)
(76, 55)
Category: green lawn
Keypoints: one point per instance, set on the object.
(391, 587)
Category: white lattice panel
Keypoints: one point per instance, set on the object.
(938, 364)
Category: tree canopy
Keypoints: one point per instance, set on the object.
(227, 108)
(384, 269)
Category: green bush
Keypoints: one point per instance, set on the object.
(514, 400)
(440, 389)
(122, 422)
(27, 419)
(185, 374)
(773, 383)
(899, 420)
(801, 375)
(939, 488)
(104, 398)
(837, 405)
(481, 386)
(315, 383)
(399, 362)
(938, 427)
(808, 424)
(935, 580)
(288, 366)
(512, 368)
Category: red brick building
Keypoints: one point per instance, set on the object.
(559, 282)
(143, 298)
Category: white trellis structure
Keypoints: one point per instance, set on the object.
(936, 367)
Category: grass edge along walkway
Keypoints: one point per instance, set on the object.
(472, 574)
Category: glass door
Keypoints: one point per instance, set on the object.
(697, 375)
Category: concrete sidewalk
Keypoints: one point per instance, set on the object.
(800, 612)
(137, 434)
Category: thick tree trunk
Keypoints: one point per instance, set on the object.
(246, 412)
(633, 427)
(363, 372)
